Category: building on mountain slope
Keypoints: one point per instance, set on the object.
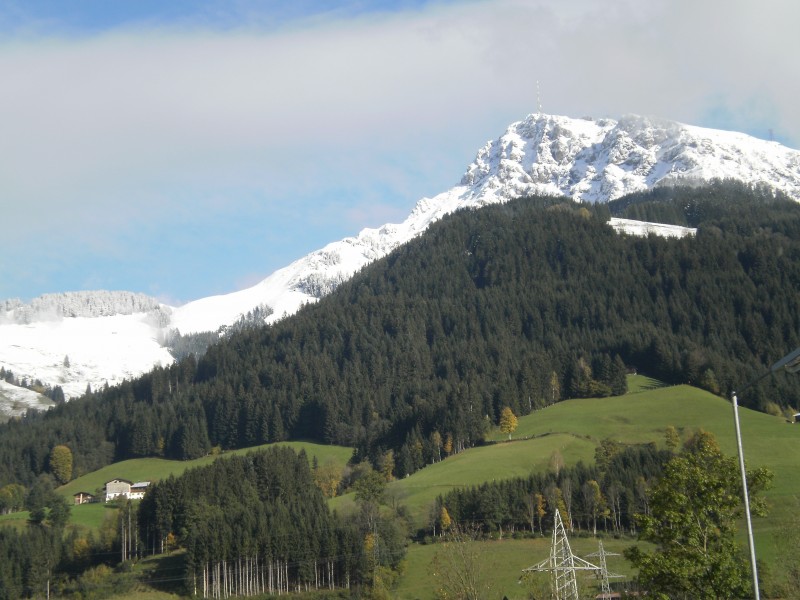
(84, 498)
(122, 488)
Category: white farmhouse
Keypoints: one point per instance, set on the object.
(122, 488)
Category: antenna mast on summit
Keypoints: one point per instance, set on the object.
(538, 98)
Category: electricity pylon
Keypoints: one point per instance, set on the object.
(604, 575)
(562, 564)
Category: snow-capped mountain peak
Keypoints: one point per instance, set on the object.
(586, 159)
(593, 160)
(600, 160)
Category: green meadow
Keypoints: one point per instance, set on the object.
(637, 417)
(500, 563)
(485, 463)
(575, 427)
(475, 466)
(768, 441)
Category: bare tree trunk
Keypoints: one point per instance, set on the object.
(271, 578)
(130, 537)
(122, 537)
(279, 576)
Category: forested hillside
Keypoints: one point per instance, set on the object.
(516, 305)
(249, 524)
(258, 524)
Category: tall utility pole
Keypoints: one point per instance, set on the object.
(791, 364)
(750, 539)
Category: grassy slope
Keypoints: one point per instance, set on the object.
(633, 418)
(530, 451)
(768, 441)
(500, 563)
(477, 465)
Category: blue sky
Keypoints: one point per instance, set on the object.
(184, 149)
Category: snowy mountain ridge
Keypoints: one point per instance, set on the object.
(590, 160)
(600, 160)
(100, 303)
(587, 160)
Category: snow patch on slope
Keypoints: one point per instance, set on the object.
(99, 350)
(16, 401)
(643, 228)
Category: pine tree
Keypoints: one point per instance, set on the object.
(57, 395)
(619, 380)
(555, 388)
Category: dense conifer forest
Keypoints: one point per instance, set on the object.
(257, 524)
(517, 305)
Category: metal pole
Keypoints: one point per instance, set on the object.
(791, 364)
(750, 540)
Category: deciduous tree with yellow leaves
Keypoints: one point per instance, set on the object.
(508, 421)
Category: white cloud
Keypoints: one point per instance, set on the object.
(118, 128)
